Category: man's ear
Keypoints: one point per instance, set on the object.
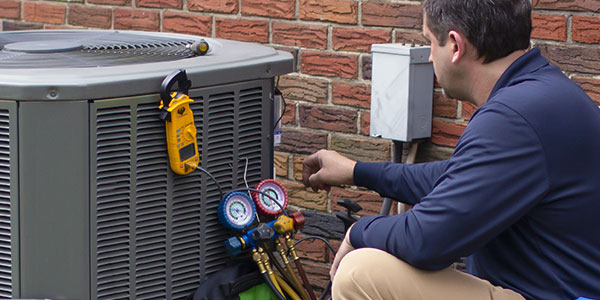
(459, 45)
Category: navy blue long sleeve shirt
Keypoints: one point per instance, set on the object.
(520, 195)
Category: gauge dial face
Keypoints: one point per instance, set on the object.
(276, 191)
(239, 210)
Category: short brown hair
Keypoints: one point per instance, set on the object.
(495, 27)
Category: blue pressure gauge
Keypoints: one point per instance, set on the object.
(237, 211)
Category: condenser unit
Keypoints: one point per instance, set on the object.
(89, 208)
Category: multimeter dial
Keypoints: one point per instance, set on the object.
(237, 211)
(265, 205)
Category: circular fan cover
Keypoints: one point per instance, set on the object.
(84, 48)
(265, 205)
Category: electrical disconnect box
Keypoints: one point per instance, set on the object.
(401, 92)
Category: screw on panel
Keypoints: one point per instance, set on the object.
(52, 94)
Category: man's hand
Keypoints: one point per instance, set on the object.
(325, 168)
(344, 249)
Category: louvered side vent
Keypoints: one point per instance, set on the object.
(113, 202)
(5, 208)
(250, 135)
(158, 234)
(152, 165)
(219, 161)
(187, 222)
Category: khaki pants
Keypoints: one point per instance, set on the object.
(369, 273)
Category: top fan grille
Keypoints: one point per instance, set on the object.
(81, 49)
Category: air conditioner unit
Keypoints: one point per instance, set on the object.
(89, 208)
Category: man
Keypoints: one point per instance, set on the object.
(520, 196)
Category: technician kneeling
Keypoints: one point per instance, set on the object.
(520, 195)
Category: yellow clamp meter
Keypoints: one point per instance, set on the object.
(179, 123)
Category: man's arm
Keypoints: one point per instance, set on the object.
(401, 182)
(406, 183)
(497, 174)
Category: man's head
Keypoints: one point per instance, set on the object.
(495, 28)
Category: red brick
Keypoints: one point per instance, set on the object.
(444, 107)
(301, 196)
(429, 151)
(446, 133)
(312, 249)
(218, 6)
(411, 37)
(281, 163)
(365, 122)
(302, 141)
(160, 3)
(361, 148)
(358, 39)
(327, 118)
(62, 27)
(468, 109)
(243, 30)
(136, 19)
(332, 65)
(293, 34)
(586, 29)
(549, 27)
(303, 89)
(44, 12)
(573, 5)
(366, 63)
(573, 58)
(10, 9)
(274, 8)
(392, 14)
(95, 17)
(297, 168)
(316, 250)
(370, 201)
(289, 117)
(111, 2)
(591, 86)
(351, 94)
(187, 23)
(339, 11)
(16, 25)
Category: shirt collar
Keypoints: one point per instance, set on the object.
(529, 62)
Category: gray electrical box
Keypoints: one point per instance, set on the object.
(401, 92)
(89, 208)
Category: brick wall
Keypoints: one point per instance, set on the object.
(328, 98)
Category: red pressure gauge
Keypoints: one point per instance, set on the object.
(265, 205)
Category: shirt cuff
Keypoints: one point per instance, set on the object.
(364, 172)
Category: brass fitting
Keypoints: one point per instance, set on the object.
(257, 258)
(279, 248)
(290, 245)
(265, 260)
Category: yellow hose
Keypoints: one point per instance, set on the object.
(274, 280)
(288, 289)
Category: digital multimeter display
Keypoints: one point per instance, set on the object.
(186, 152)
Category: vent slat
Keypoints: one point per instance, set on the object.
(113, 165)
(6, 265)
